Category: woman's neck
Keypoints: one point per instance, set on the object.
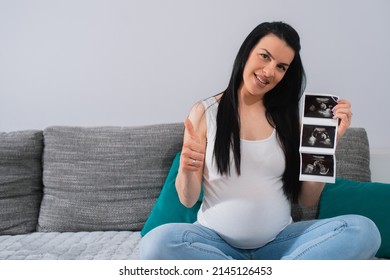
(253, 121)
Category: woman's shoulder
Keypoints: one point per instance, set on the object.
(211, 101)
(200, 107)
(198, 112)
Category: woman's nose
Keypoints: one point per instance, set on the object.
(269, 70)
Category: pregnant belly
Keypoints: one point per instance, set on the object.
(247, 225)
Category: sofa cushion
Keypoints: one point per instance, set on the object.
(168, 208)
(104, 178)
(96, 245)
(363, 198)
(20, 181)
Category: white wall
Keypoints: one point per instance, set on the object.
(379, 165)
(117, 62)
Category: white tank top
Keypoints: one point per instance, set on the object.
(249, 210)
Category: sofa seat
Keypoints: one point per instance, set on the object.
(96, 245)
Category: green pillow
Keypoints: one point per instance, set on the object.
(168, 208)
(368, 199)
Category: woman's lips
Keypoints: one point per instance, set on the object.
(261, 81)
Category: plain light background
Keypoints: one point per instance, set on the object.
(126, 63)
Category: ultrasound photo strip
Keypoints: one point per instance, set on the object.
(318, 138)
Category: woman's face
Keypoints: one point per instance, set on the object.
(266, 65)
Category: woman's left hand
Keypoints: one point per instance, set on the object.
(342, 111)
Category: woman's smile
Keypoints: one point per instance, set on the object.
(261, 81)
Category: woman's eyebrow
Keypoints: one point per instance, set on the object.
(270, 55)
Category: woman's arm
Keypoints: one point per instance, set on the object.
(310, 193)
(189, 178)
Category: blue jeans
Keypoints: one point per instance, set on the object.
(350, 237)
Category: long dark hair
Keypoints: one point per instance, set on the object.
(281, 103)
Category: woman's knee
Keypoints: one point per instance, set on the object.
(155, 241)
(366, 233)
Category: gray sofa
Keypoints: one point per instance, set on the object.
(86, 192)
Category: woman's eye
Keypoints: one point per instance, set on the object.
(282, 67)
(263, 55)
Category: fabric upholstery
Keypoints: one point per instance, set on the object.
(20, 181)
(98, 245)
(353, 156)
(104, 178)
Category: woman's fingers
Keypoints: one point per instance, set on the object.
(192, 155)
(190, 129)
(342, 111)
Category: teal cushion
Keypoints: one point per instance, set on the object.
(363, 198)
(168, 208)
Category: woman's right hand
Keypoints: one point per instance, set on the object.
(190, 175)
(193, 151)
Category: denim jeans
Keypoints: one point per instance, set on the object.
(344, 237)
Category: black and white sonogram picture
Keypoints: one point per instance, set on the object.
(318, 106)
(318, 136)
(319, 165)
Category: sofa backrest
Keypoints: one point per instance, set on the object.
(20, 180)
(353, 155)
(104, 178)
